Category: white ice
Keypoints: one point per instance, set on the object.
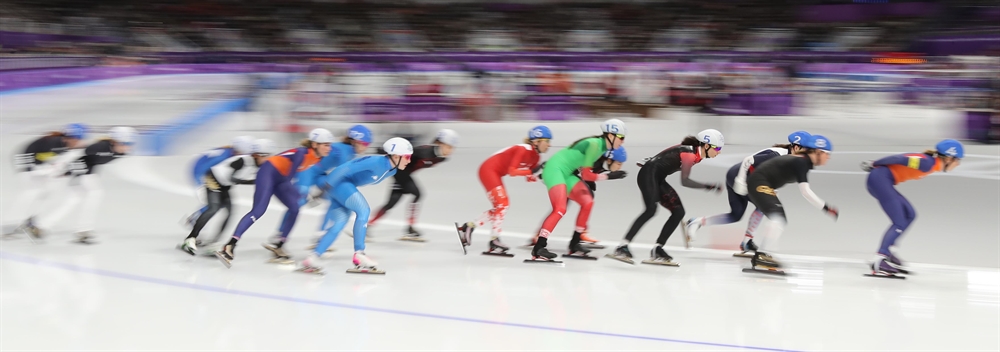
(135, 291)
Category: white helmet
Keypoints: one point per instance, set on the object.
(263, 146)
(448, 137)
(243, 144)
(713, 137)
(397, 146)
(321, 135)
(614, 126)
(123, 134)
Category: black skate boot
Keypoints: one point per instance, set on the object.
(621, 254)
(278, 255)
(84, 237)
(465, 234)
(883, 268)
(412, 235)
(747, 249)
(226, 254)
(763, 263)
(576, 249)
(659, 256)
(540, 254)
(497, 248)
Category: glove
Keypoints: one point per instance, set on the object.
(717, 188)
(867, 166)
(614, 175)
(531, 178)
(831, 211)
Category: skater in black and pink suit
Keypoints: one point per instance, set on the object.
(423, 157)
(656, 191)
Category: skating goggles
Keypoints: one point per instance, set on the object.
(717, 148)
(363, 144)
(620, 136)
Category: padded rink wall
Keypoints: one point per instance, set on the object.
(161, 141)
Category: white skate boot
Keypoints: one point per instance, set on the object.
(364, 265)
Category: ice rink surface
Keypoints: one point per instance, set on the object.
(135, 291)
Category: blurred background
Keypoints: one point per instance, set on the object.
(305, 62)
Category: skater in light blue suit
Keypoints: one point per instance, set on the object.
(341, 188)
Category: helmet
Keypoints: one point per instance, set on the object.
(448, 137)
(397, 146)
(618, 155)
(360, 133)
(321, 135)
(123, 134)
(713, 137)
(950, 147)
(615, 126)
(262, 146)
(75, 130)
(540, 132)
(798, 137)
(243, 144)
(819, 142)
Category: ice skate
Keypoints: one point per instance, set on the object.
(278, 255)
(588, 242)
(465, 234)
(689, 230)
(882, 268)
(747, 249)
(497, 248)
(29, 228)
(308, 266)
(209, 249)
(896, 263)
(622, 254)
(763, 263)
(412, 235)
(659, 256)
(578, 251)
(539, 254)
(188, 246)
(364, 265)
(226, 255)
(84, 237)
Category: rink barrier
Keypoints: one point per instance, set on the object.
(27, 80)
(160, 141)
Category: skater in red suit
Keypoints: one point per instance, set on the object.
(516, 160)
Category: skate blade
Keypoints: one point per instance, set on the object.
(313, 271)
(84, 241)
(498, 254)
(887, 276)
(768, 271)
(281, 261)
(592, 246)
(372, 271)
(621, 259)
(549, 261)
(661, 262)
(579, 256)
(181, 248)
(461, 239)
(222, 259)
(411, 239)
(743, 255)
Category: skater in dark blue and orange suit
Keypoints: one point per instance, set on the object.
(885, 174)
(274, 178)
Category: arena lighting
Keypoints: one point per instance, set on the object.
(898, 60)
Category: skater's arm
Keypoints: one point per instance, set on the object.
(810, 196)
(238, 165)
(587, 174)
(687, 162)
(515, 161)
(920, 162)
(740, 182)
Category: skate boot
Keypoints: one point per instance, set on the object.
(763, 263)
(413, 235)
(226, 255)
(29, 228)
(659, 256)
(588, 242)
(308, 266)
(747, 248)
(278, 255)
(896, 263)
(883, 268)
(690, 229)
(84, 237)
(498, 248)
(578, 251)
(621, 253)
(465, 234)
(188, 246)
(364, 265)
(540, 254)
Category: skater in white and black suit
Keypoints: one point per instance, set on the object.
(776, 173)
(81, 166)
(236, 170)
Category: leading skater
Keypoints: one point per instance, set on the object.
(774, 174)
(36, 169)
(274, 178)
(341, 188)
(736, 187)
(656, 191)
(884, 175)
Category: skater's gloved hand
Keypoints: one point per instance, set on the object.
(531, 178)
(714, 187)
(866, 166)
(614, 175)
(831, 211)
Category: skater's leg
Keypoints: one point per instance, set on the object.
(755, 219)
(93, 193)
(227, 205)
(302, 185)
(737, 207)
(359, 205)
(34, 187)
(672, 202)
(413, 210)
(397, 193)
(650, 190)
(289, 196)
(215, 203)
(557, 196)
(767, 203)
(337, 217)
(581, 195)
(900, 212)
(267, 176)
(75, 195)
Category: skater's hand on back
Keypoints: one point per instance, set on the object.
(866, 166)
(531, 178)
(832, 211)
(714, 187)
(614, 175)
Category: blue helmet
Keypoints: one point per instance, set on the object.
(75, 130)
(819, 142)
(360, 133)
(618, 155)
(798, 137)
(950, 147)
(540, 132)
